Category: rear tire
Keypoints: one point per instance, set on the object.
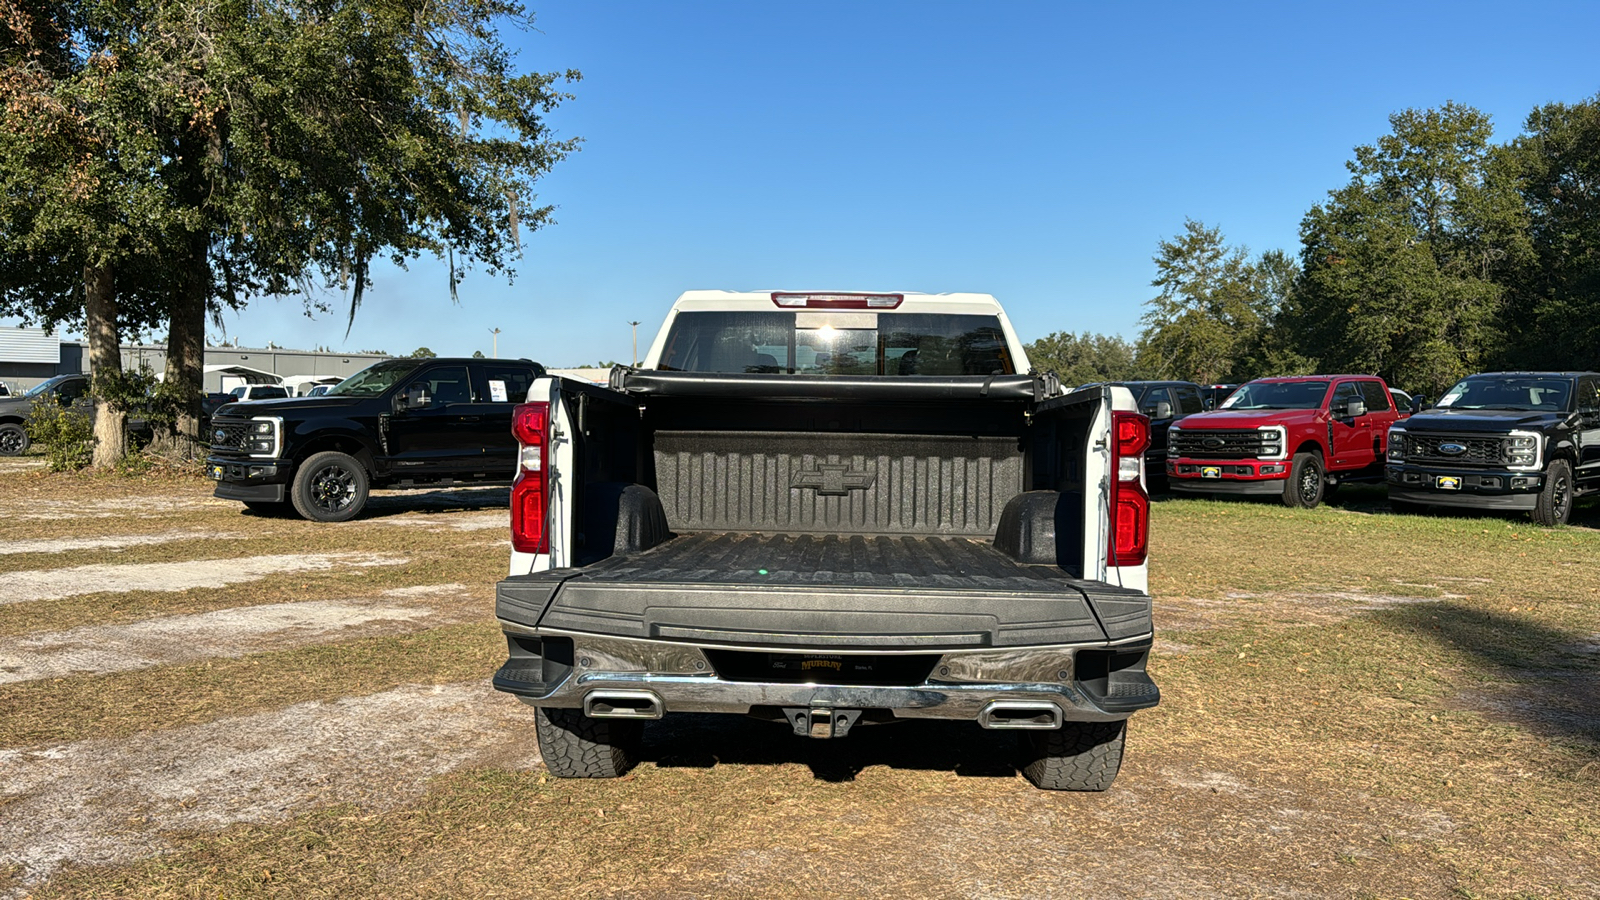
(330, 487)
(13, 440)
(1554, 506)
(1079, 756)
(576, 746)
(1306, 482)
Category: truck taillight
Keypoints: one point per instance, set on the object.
(530, 423)
(1129, 544)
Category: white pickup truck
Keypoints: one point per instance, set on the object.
(831, 510)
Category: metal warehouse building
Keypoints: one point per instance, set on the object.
(29, 356)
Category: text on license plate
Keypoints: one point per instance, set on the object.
(1448, 483)
(1210, 471)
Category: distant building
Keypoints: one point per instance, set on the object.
(29, 356)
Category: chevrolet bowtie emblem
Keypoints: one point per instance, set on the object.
(833, 479)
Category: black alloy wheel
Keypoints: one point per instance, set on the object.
(1554, 506)
(13, 440)
(330, 487)
(1306, 482)
(333, 488)
(1310, 485)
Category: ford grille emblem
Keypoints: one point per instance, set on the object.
(1452, 449)
(1213, 443)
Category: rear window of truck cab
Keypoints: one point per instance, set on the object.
(836, 343)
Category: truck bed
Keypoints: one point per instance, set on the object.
(861, 592)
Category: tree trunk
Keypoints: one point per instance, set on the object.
(105, 358)
(186, 351)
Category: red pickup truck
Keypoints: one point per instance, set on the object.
(1293, 438)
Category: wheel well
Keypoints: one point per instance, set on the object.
(346, 445)
(1308, 447)
(13, 420)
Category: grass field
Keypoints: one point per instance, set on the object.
(200, 702)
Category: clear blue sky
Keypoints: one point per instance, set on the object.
(1037, 151)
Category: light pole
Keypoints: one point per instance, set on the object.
(635, 361)
(495, 353)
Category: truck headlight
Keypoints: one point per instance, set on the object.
(1273, 438)
(1397, 444)
(1522, 450)
(261, 437)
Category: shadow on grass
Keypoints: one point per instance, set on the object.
(456, 498)
(703, 741)
(1541, 678)
(1373, 499)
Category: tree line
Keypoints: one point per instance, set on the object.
(1443, 255)
(161, 163)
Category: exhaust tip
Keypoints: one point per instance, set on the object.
(1020, 714)
(622, 705)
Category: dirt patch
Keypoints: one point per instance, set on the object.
(139, 507)
(8, 466)
(99, 802)
(1282, 609)
(116, 542)
(1167, 830)
(229, 633)
(52, 584)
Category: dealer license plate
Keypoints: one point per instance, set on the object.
(1210, 471)
(215, 472)
(1448, 483)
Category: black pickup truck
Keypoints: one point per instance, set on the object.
(400, 423)
(1525, 441)
(831, 511)
(66, 390)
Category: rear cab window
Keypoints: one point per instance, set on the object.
(1189, 401)
(828, 342)
(504, 383)
(1376, 397)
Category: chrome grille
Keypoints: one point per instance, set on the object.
(1216, 444)
(1476, 449)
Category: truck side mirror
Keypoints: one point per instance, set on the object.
(1417, 404)
(413, 397)
(1355, 409)
(1163, 410)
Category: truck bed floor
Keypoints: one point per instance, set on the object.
(950, 563)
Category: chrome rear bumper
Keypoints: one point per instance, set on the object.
(1025, 687)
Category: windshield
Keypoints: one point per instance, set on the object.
(1278, 395)
(1508, 392)
(836, 343)
(44, 386)
(375, 379)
